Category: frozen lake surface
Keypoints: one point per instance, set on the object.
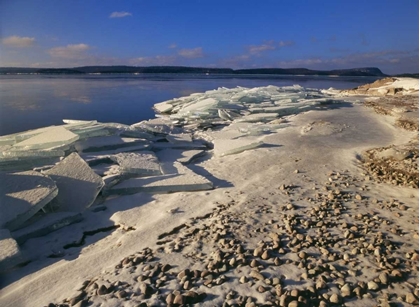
(33, 101)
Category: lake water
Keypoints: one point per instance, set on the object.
(33, 101)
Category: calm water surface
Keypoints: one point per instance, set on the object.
(33, 101)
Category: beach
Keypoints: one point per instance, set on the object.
(323, 212)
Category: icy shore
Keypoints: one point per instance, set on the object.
(256, 157)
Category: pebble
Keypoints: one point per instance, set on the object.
(372, 285)
(256, 275)
(410, 298)
(179, 299)
(293, 304)
(346, 290)
(265, 255)
(335, 298)
(383, 277)
(261, 289)
(170, 299)
(121, 294)
(302, 255)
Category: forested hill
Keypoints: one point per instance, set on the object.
(365, 71)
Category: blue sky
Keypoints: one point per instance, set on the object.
(328, 34)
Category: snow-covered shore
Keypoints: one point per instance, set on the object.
(283, 211)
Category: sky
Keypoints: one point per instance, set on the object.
(314, 34)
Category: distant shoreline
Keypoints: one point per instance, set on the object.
(353, 72)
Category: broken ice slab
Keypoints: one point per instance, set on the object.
(10, 255)
(105, 169)
(179, 138)
(228, 114)
(156, 126)
(224, 147)
(196, 144)
(45, 224)
(258, 117)
(184, 180)
(51, 137)
(22, 195)
(163, 107)
(178, 155)
(27, 164)
(77, 183)
(141, 164)
(104, 143)
(168, 157)
(137, 133)
(200, 105)
(25, 160)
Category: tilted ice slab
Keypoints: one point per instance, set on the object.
(22, 195)
(142, 164)
(10, 255)
(77, 183)
(51, 137)
(184, 180)
(104, 143)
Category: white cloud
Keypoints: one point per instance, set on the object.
(69, 51)
(191, 53)
(172, 46)
(120, 14)
(18, 41)
(268, 45)
(256, 49)
(286, 43)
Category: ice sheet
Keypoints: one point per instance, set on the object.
(77, 183)
(22, 195)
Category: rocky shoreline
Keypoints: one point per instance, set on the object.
(328, 246)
